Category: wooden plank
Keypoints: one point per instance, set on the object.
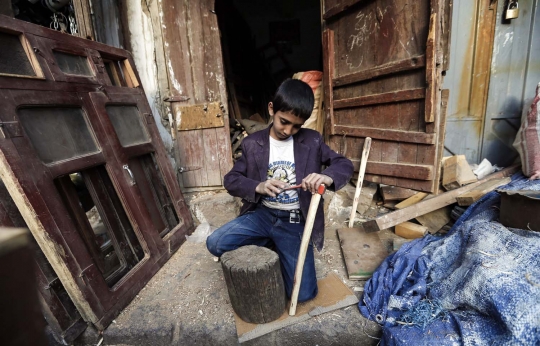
(200, 116)
(457, 172)
(328, 75)
(395, 193)
(363, 252)
(386, 134)
(417, 197)
(395, 96)
(431, 70)
(382, 70)
(369, 190)
(435, 220)
(426, 206)
(410, 230)
(403, 170)
(475, 194)
(339, 8)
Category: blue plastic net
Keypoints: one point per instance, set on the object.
(484, 277)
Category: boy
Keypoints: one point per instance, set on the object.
(282, 155)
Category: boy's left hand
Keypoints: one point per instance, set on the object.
(314, 180)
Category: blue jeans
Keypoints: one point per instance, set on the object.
(267, 227)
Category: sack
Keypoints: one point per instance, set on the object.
(527, 141)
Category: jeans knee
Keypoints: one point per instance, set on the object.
(211, 245)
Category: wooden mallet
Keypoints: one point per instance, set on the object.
(308, 228)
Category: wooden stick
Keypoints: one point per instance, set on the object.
(312, 212)
(361, 172)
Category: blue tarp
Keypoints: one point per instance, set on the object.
(485, 276)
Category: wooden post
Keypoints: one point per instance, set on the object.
(361, 172)
(255, 284)
(312, 212)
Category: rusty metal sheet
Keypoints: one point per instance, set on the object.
(196, 117)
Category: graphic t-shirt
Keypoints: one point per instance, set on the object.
(281, 167)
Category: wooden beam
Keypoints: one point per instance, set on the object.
(382, 70)
(395, 193)
(427, 206)
(396, 96)
(411, 200)
(328, 75)
(475, 194)
(457, 172)
(386, 134)
(410, 230)
(395, 169)
(339, 8)
(431, 70)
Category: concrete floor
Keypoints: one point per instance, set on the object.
(187, 303)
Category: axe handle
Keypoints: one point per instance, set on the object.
(312, 212)
(361, 172)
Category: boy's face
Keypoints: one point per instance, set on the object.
(285, 124)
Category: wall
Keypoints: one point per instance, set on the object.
(487, 100)
(145, 40)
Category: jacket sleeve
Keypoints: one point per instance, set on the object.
(236, 181)
(339, 168)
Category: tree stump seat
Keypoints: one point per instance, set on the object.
(255, 285)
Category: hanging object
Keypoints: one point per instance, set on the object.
(512, 11)
(56, 5)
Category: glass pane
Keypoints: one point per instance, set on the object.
(101, 222)
(57, 133)
(13, 58)
(155, 194)
(127, 124)
(73, 64)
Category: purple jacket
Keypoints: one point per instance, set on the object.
(310, 153)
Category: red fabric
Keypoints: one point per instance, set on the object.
(528, 139)
(312, 78)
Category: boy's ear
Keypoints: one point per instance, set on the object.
(270, 109)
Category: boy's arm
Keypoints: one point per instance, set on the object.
(238, 184)
(339, 168)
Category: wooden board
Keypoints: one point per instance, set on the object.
(394, 193)
(411, 200)
(363, 252)
(475, 194)
(429, 205)
(193, 53)
(457, 172)
(201, 116)
(369, 189)
(383, 66)
(435, 220)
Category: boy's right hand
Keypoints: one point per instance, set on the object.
(271, 187)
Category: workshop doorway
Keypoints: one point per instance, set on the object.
(265, 42)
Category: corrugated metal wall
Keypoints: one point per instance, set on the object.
(482, 123)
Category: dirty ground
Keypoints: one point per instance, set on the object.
(187, 303)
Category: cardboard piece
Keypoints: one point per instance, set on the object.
(333, 294)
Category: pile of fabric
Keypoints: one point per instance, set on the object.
(478, 285)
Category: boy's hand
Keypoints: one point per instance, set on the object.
(314, 180)
(271, 187)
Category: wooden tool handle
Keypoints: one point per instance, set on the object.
(361, 172)
(308, 228)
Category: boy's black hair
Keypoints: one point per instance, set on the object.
(294, 96)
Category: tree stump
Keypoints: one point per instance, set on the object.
(255, 284)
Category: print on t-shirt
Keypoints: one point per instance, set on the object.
(285, 172)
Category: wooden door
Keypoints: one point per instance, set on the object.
(382, 68)
(196, 77)
(82, 158)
